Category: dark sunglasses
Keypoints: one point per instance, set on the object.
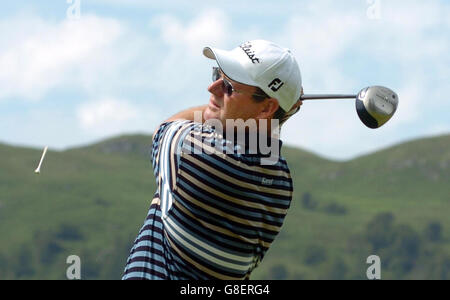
(227, 87)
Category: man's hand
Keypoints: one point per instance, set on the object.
(188, 114)
(295, 108)
(296, 105)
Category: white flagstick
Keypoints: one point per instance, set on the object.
(38, 170)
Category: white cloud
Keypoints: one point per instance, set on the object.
(319, 39)
(411, 102)
(106, 116)
(180, 71)
(209, 27)
(48, 55)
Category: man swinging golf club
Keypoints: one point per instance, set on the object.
(221, 201)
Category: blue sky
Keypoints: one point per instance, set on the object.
(123, 66)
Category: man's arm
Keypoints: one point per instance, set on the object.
(188, 114)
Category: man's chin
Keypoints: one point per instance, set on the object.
(209, 114)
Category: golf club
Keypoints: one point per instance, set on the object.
(375, 105)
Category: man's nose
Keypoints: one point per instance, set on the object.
(216, 88)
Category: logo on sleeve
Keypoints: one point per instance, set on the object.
(276, 84)
(266, 181)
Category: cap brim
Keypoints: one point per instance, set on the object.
(231, 63)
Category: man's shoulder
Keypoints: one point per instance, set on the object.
(203, 140)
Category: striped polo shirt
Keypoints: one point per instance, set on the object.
(217, 208)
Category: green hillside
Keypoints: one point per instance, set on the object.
(91, 201)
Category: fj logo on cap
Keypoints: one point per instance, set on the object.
(276, 84)
(247, 47)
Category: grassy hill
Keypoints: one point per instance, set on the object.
(91, 201)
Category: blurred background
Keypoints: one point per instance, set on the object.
(93, 78)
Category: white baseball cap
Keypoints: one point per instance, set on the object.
(265, 65)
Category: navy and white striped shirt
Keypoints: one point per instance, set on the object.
(216, 210)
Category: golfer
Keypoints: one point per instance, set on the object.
(221, 201)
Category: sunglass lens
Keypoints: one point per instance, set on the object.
(215, 74)
(227, 87)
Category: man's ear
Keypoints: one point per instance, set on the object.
(270, 106)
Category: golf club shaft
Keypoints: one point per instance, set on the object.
(321, 97)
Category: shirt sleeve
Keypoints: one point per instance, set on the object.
(166, 150)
